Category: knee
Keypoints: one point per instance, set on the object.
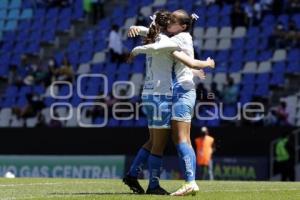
(157, 150)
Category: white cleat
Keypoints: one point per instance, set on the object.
(189, 188)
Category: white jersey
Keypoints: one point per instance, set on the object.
(183, 75)
(163, 72)
(159, 64)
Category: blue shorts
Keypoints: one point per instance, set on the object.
(158, 109)
(183, 103)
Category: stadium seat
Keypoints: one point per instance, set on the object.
(279, 55)
(264, 67)
(224, 44)
(225, 32)
(211, 33)
(210, 44)
(239, 32)
(250, 67)
(98, 58)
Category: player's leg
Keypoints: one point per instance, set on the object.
(160, 139)
(142, 156)
(182, 111)
(131, 178)
(161, 133)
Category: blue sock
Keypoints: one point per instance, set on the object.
(139, 160)
(154, 165)
(186, 159)
(194, 161)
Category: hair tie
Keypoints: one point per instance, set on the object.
(194, 16)
(153, 18)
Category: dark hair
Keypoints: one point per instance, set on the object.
(183, 18)
(162, 21)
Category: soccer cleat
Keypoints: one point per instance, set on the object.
(189, 188)
(133, 184)
(157, 191)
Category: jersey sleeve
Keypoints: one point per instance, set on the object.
(178, 39)
(164, 45)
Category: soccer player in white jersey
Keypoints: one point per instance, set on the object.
(183, 99)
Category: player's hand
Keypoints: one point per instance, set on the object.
(210, 62)
(133, 31)
(200, 74)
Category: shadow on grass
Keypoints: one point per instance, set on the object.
(91, 193)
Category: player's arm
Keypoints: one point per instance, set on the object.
(135, 31)
(191, 62)
(161, 46)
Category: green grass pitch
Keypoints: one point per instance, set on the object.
(88, 189)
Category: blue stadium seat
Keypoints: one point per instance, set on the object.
(226, 10)
(40, 13)
(248, 79)
(48, 36)
(10, 25)
(38, 89)
(252, 43)
(293, 55)
(66, 13)
(100, 45)
(11, 91)
(250, 55)
(263, 44)
(124, 68)
(262, 78)
(2, 25)
(64, 25)
(238, 43)
(212, 21)
(13, 14)
(35, 35)
(21, 102)
(278, 67)
(262, 90)
(212, 11)
(222, 56)
(253, 32)
(222, 67)
(15, 4)
(3, 14)
(8, 102)
(4, 4)
(225, 21)
(296, 18)
(235, 66)
(293, 67)
(52, 13)
(277, 79)
(265, 55)
(26, 14)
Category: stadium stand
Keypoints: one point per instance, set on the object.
(242, 53)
